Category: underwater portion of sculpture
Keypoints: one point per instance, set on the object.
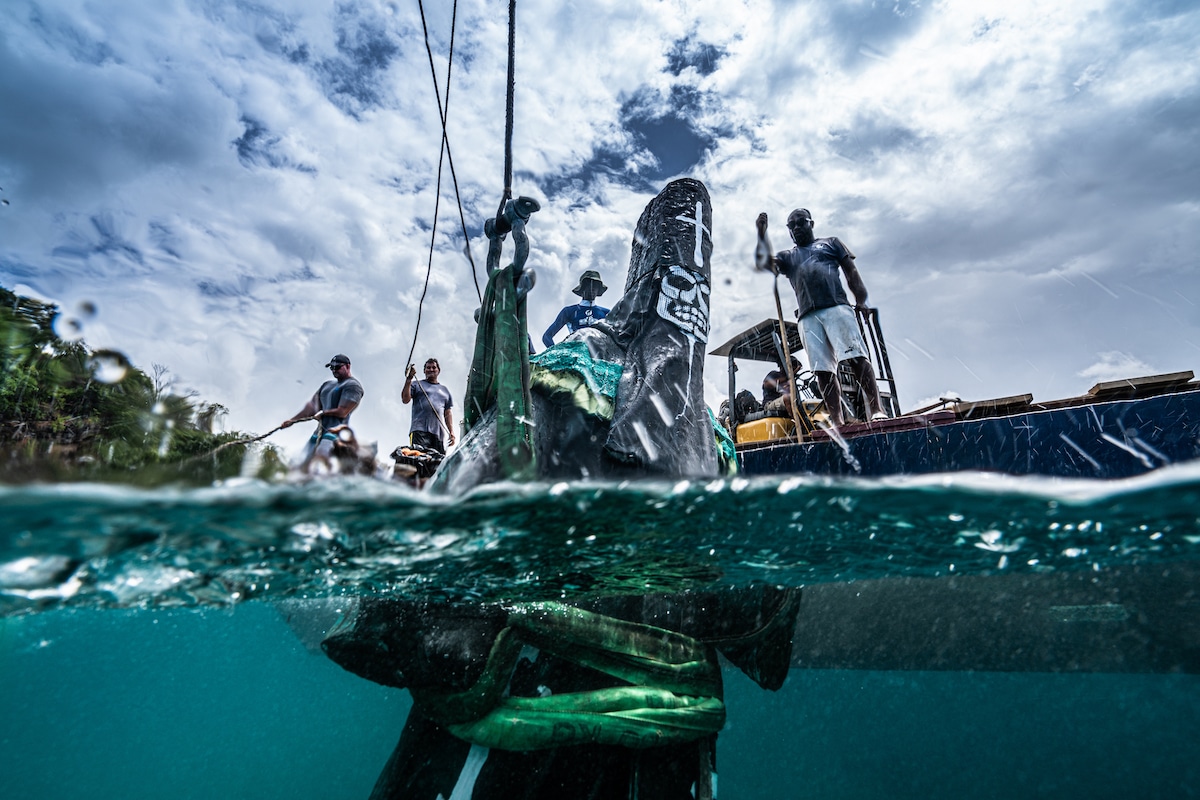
(612, 697)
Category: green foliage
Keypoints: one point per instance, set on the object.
(64, 416)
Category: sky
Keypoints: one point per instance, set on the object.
(239, 190)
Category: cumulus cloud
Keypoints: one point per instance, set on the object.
(1115, 365)
(242, 190)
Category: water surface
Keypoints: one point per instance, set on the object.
(144, 652)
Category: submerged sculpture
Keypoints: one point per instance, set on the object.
(624, 397)
(611, 697)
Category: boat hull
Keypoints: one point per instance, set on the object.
(1116, 439)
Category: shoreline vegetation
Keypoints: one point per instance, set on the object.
(69, 413)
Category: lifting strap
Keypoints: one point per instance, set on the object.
(499, 373)
(674, 693)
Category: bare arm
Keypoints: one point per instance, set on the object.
(406, 392)
(342, 411)
(775, 382)
(449, 415)
(555, 327)
(311, 409)
(764, 258)
(855, 281)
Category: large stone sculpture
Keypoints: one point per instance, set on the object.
(625, 397)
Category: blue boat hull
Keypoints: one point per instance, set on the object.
(1115, 439)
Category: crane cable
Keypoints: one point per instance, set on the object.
(444, 154)
(508, 113)
(443, 113)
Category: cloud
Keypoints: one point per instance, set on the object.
(1115, 365)
(243, 189)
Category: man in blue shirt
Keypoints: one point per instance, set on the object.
(585, 313)
(828, 324)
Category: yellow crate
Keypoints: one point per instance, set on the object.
(764, 430)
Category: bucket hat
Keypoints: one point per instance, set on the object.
(590, 275)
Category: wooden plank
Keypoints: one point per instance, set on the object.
(853, 430)
(1138, 387)
(1013, 404)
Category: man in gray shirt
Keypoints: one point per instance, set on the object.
(332, 405)
(828, 325)
(432, 405)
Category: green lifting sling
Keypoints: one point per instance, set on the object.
(674, 693)
(500, 367)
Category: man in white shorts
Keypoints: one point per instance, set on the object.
(828, 325)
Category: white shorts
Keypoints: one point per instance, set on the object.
(830, 336)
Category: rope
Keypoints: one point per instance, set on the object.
(508, 113)
(444, 115)
(252, 439)
(462, 220)
(799, 416)
(441, 423)
(764, 259)
(444, 155)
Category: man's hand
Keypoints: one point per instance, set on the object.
(763, 258)
(287, 423)
(410, 372)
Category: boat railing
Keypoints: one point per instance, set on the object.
(868, 325)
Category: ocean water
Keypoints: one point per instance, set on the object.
(1027, 637)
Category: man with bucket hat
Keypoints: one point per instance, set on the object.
(583, 314)
(332, 405)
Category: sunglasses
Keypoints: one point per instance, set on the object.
(800, 223)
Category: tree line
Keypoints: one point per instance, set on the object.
(68, 412)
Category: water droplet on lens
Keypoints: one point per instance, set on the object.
(108, 366)
(69, 329)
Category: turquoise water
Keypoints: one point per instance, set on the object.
(143, 652)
